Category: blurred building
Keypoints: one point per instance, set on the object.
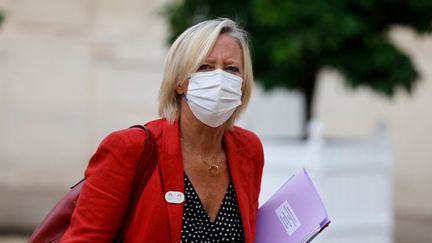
(72, 71)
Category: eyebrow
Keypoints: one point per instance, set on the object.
(228, 61)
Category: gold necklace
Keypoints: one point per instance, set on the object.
(213, 168)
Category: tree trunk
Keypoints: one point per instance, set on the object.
(308, 90)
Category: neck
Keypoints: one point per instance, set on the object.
(202, 138)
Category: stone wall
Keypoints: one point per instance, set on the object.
(70, 72)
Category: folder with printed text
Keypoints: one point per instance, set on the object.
(294, 214)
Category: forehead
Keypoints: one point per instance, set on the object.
(226, 46)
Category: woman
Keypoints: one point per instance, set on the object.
(213, 166)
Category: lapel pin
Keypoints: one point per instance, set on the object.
(174, 197)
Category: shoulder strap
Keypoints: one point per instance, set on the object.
(144, 169)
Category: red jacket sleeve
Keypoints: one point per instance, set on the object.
(105, 193)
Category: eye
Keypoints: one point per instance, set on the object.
(204, 67)
(232, 69)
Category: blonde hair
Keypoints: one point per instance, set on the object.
(189, 51)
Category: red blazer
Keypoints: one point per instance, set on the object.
(104, 195)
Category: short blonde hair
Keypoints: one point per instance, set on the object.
(186, 55)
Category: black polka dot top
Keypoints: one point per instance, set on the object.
(197, 227)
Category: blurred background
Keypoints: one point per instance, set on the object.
(343, 89)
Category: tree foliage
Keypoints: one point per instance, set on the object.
(293, 40)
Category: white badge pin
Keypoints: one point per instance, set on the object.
(174, 197)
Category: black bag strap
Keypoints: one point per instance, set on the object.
(144, 169)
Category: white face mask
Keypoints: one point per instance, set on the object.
(213, 96)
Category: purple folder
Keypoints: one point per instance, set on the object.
(294, 214)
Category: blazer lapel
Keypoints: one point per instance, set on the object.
(172, 176)
(238, 164)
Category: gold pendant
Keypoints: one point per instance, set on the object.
(214, 169)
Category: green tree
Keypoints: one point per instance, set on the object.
(1, 18)
(293, 40)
